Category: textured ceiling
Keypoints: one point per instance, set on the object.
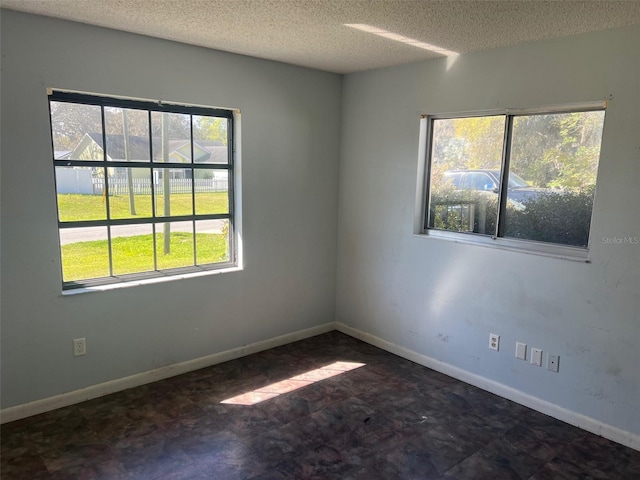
(313, 33)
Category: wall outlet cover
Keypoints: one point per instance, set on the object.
(553, 363)
(494, 342)
(79, 347)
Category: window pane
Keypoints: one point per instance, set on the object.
(174, 245)
(154, 176)
(132, 249)
(554, 164)
(171, 137)
(177, 183)
(130, 193)
(210, 139)
(80, 194)
(77, 131)
(127, 134)
(212, 191)
(212, 241)
(466, 156)
(85, 253)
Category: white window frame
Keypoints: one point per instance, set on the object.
(421, 219)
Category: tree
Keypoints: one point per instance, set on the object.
(210, 128)
(468, 143)
(137, 121)
(484, 138)
(557, 150)
(70, 122)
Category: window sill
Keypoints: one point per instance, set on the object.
(147, 281)
(575, 254)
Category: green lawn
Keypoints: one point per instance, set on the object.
(73, 207)
(84, 260)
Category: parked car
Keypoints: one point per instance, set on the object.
(489, 180)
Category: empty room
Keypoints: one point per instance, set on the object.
(333, 239)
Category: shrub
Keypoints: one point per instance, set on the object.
(555, 217)
(563, 218)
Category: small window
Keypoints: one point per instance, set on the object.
(143, 189)
(549, 158)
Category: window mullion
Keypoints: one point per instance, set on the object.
(429, 162)
(155, 246)
(230, 172)
(193, 190)
(231, 148)
(504, 175)
(106, 189)
(153, 192)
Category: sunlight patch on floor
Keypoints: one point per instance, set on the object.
(293, 383)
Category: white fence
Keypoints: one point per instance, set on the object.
(142, 186)
(73, 180)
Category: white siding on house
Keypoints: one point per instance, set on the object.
(74, 180)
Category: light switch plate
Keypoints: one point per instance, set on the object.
(536, 357)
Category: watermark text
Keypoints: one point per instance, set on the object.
(621, 240)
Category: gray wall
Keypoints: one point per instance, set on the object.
(442, 299)
(290, 130)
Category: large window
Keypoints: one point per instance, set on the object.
(143, 189)
(520, 176)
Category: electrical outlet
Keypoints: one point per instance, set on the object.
(521, 351)
(79, 347)
(536, 357)
(553, 363)
(494, 341)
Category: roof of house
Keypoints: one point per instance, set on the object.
(207, 151)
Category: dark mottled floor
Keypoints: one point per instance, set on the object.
(388, 419)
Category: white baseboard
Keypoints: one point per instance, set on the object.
(51, 403)
(586, 423)
(589, 424)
